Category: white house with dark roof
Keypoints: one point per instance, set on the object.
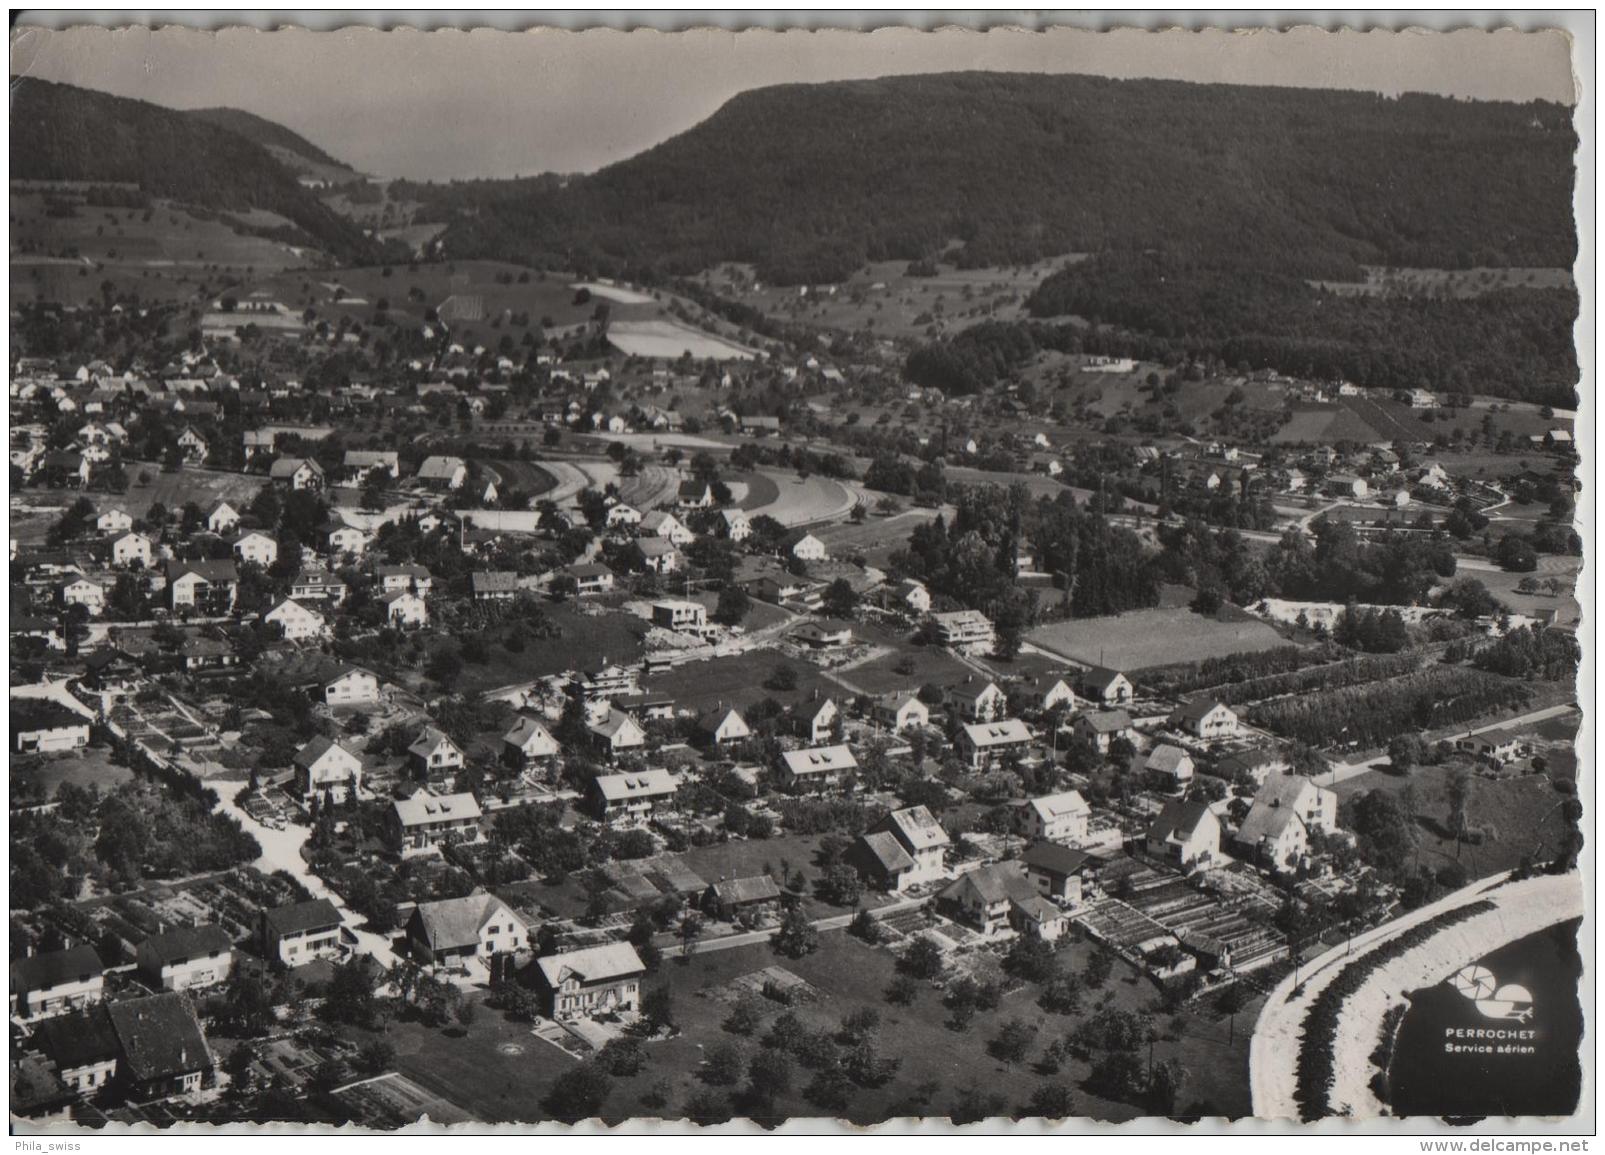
(985, 743)
(352, 686)
(904, 711)
(1062, 817)
(922, 838)
(301, 622)
(419, 824)
(301, 932)
(56, 982)
(132, 549)
(404, 610)
(595, 980)
(324, 766)
(1206, 718)
(477, 925)
(257, 547)
(631, 796)
(817, 770)
(529, 742)
(616, 733)
(434, 754)
(186, 959)
(1168, 768)
(1105, 687)
(1185, 833)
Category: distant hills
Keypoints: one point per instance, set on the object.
(288, 147)
(61, 132)
(810, 181)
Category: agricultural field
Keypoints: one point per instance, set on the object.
(882, 297)
(1502, 584)
(1154, 637)
(667, 340)
(1323, 425)
(33, 511)
(880, 675)
(167, 257)
(876, 537)
(614, 636)
(793, 500)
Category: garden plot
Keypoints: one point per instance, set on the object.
(393, 1100)
(792, 988)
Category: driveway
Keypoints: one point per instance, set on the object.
(281, 850)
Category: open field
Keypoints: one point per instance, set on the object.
(1323, 425)
(1526, 812)
(1155, 637)
(797, 500)
(1502, 584)
(670, 339)
(739, 681)
(616, 637)
(880, 676)
(33, 511)
(38, 777)
(877, 537)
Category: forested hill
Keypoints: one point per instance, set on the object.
(809, 181)
(60, 132)
(268, 134)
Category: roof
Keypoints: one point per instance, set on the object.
(1050, 806)
(1101, 677)
(1267, 820)
(159, 1036)
(640, 784)
(1179, 820)
(1055, 858)
(999, 882)
(289, 466)
(916, 827)
(456, 922)
(424, 807)
(696, 489)
(1107, 721)
(594, 964)
(655, 547)
(1167, 759)
(440, 468)
(1283, 789)
(307, 756)
(300, 916)
(1007, 731)
(427, 742)
(760, 888)
(887, 852)
(185, 943)
(33, 714)
(493, 581)
(526, 729)
(819, 760)
(1196, 709)
(78, 1039)
(614, 723)
(53, 968)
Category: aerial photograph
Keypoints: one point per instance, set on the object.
(779, 579)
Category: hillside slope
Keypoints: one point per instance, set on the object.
(270, 135)
(809, 181)
(59, 132)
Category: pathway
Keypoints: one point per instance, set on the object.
(1343, 771)
(750, 938)
(281, 850)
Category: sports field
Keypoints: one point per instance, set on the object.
(1156, 637)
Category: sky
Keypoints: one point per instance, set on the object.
(440, 105)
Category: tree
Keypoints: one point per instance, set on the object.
(865, 926)
(579, 1093)
(350, 997)
(797, 936)
(1050, 1101)
(732, 606)
(1164, 1087)
(1461, 789)
(724, 1064)
(769, 1076)
(902, 991)
(1012, 1041)
(708, 1108)
(1031, 958)
(1099, 967)
(690, 931)
(842, 886)
(922, 959)
(830, 1089)
(1405, 751)
(840, 599)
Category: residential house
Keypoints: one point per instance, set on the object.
(1106, 687)
(443, 473)
(323, 767)
(186, 959)
(999, 897)
(680, 616)
(912, 596)
(922, 838)
(82, 591)
(1062, 817)
(593, 981)
(362, 464)
(818, 770)
(620, 515)
(1059, 872)
(301, 932)
(222, 518)
(114, 521)
(976, 700)
(477, 925)
(723, 724)
(419, 824)
(528, 743)
(817, 720)
(256, 547)
(208, 587)
(658, 555)
(352, 686)
(1206, 718)
(824, 634)
(1185, 833)
(965, 630)
(733, 524)
(591, 578)
(434, 755)
(317, 585)
(1274, 836)
(1254, 764)
(493, 585)
(162, 1050)
(340, 540)
(1347, 485)
(1101, 727)
(616, 734)
(83, 1047)
(1315, 805)
(1496, 747)
(880, 859)
(193, 446)
(46, 726)
(56, 982)
(301, 623)
(1167, 768)
(987, 743)
(901, 712)
(695, 495)
(631, 797)
(406, 577)
(663, 524)
(405, 609)
(1049, 691)
(803, 546)
(747, 898)
(296, 473)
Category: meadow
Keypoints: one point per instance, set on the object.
(1154, 637)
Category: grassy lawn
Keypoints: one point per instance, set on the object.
(739, 681)
(1155, 637)
(880, 675)
(38, 777)
(616, 636)
(1526, 811)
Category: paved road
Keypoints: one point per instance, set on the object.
(281, 850)
(834, 922)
